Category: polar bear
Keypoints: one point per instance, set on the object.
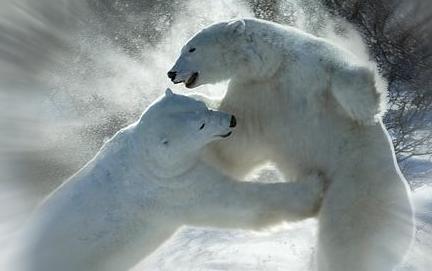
(145, 183)
(308, 105)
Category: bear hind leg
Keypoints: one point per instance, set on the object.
(366, 237)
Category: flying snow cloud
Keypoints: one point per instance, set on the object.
(74, 72)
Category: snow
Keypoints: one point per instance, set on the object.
(284, 247)
(126, 85)
(289, 247)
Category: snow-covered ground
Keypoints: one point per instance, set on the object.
(286, 247)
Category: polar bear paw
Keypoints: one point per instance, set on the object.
(359, 93)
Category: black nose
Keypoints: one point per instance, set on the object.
(233, 122)
(172, 75)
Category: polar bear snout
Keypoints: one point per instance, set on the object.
(172, 75)
(223, 124)
(232, 124)
(189, 78)
(233, 121)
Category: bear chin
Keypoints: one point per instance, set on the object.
(191, 80)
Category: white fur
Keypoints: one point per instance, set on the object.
(309, 106)
(145, 183)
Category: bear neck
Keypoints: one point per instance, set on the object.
(267, 47)
(118, 156)
(175, 169)
(174, 176)
(200, 173)
(173, 173)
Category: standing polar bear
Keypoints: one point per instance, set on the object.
(145, 183)
(308, 106)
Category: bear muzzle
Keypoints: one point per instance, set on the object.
(233, 122)
(188, 79)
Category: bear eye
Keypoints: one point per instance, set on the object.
(191, 50)
(202, 126)
(165, 142)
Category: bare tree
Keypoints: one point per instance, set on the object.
(399, 34)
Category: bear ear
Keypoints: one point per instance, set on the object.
(169, 92)
(237, 26)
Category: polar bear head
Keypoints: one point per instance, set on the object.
(219, 52)
(174, 130)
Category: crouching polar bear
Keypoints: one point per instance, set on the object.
(145, 183)
(308, 105)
